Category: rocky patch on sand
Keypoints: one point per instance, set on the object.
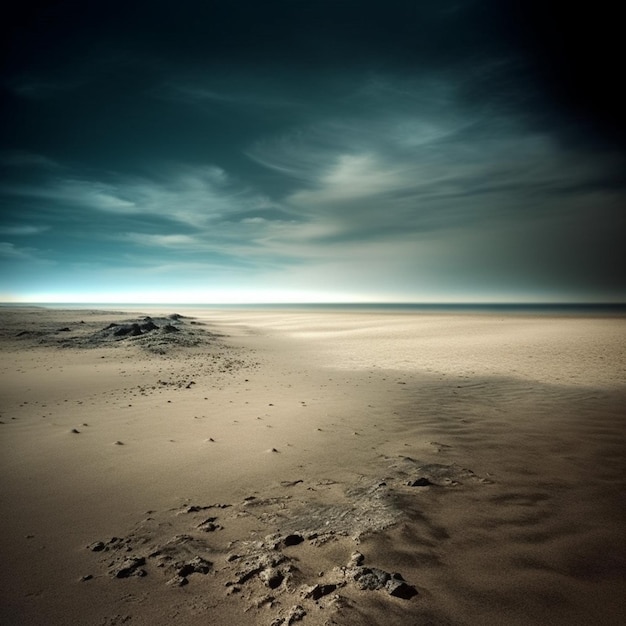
(420, 474)
(275, 573)
(153, 334)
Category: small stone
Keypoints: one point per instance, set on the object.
(86, 577)
(372, 578)
(296, 614)
(98, 546)
(420, 482)
(271, 577)
(177, 581)
(263, 600)
(75, 431)
(128, 567)
(196, 565)
(356, 558)
(400, 589)
(293, 540)
(319, 591)
(208, 525)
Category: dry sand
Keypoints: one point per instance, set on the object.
(317, 468)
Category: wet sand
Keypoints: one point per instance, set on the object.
(256, 467)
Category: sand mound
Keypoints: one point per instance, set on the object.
(152, 334)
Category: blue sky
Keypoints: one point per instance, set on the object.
(290, 151)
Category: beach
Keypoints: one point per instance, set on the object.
(211, 466)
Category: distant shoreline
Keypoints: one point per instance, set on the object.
(566, 308)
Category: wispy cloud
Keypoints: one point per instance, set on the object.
(23, 230)
(398, 174)
(11, 252)
(248, 97)
(25, 159)
(193, 196)
(163, 241)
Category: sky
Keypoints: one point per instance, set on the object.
(295, 151)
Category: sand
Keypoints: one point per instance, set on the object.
(282, 467)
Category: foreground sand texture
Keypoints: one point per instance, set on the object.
(250, 467)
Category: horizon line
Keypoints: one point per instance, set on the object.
(611, 303)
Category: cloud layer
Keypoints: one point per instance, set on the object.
(408, 154)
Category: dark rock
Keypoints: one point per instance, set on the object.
(148, 326)
(197, 565)
(319, 591)
(293, 540)
(132, 330)
(209, 525)
(371, 578)
(177, 581)
(128, 567)
(75, 431)
(98, 546)
(400, 589)
(168, 328)
(420, 482)
(247, 573)
(296, 614)
(194, 508)
(271, 577)
(263, 600)
(65, 329)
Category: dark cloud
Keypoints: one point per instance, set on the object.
(282, 143)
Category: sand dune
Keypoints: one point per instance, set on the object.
(316, 468)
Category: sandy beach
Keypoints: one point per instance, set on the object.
(316, 467)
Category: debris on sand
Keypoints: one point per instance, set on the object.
(154, 334)
(269, 573)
